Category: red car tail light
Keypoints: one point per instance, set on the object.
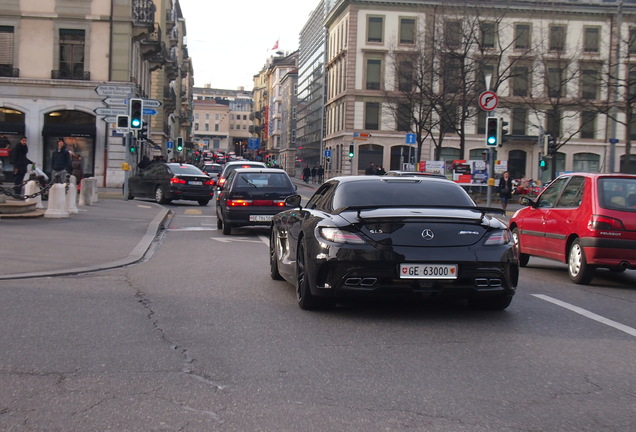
(177, 180)
(209, 183)
(221, 181)
(239, 203)
(598, 222)
(269, 203)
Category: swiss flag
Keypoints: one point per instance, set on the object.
(275, 46)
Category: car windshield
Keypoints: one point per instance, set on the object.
(263, 180)
(185, 169)
(617, 193)
(397, 193)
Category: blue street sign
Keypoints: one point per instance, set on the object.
(253, 143)
(169, 144)
(613, 140)
(150, 111)
(411, 138)
(327, 153)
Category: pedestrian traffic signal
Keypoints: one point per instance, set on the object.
(122, 122)
(136, 113)
(133, 148)
(543, 164)
(351, 149)
(492, 131)
(551, 146)
(501, 137)
(328, 159)
(179, 143)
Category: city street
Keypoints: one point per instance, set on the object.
(197, 337)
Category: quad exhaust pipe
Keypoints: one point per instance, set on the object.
(361, 282)
(485, 282)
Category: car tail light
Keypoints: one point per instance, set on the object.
(209, 183)
(269, 203)
(598, 222)
(177, 180)
(221, 181)
(336, 235)
(497, 238)
(239, 203)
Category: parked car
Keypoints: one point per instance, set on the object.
(213, 170)
(395, 173)
(252, 196)
(365, 235)
(231, 166)
(171, 181)
(583, 219)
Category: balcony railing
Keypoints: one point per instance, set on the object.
(9, 71)
(144, 12)
(71, 75)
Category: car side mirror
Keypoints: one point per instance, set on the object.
(525, 201)
(293, 201)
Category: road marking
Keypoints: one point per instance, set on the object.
(230, 240)
(264, 239)
(193, 212)
(192, 229)
(629, 330)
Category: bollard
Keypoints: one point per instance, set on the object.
(71, 196)
(30, 189)
(86, 192)
(57, 202)
(94, 197)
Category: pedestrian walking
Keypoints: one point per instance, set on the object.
(306, 173)
(370, 169)
(313, 175)
(505, 189)
(380, 171)
(60, 162)
(20, 163)
(320, 171)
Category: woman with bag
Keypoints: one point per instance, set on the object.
(505, 189)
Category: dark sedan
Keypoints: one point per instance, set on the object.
(252, 196)
(393, 235)
(165, 182)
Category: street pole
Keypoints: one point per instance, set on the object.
(614, 108)
(491, 153)
(127, 141)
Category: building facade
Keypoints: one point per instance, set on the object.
(552, 65)
(59, 61)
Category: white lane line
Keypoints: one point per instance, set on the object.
(264, 239)
(629, 330)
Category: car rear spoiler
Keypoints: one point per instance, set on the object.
(482, 210)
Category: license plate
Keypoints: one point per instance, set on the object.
(260, 218)
(428, 271)
(195, 183)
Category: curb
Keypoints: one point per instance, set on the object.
(133, 257)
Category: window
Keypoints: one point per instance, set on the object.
(519, 121)
(207, 127)
(631, 82)
(520, 81)
(405, 76)
(586, 162)
(588, 125)
(488, 31)
(522, 36)
(452, 74)
(555, 84)
(71, 54)
(372, 116)
(453, 34)
(557, 38)
(481, 122)
(404, 117)
(591, 39)
(632, 41)
(6, 51)
(407, 30)
(375, 29)
(374, 72)
(589, 84)
(216, 127)
(484, 71)
(196, 126)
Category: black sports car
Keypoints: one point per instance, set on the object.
(171, 181)
(393, 235)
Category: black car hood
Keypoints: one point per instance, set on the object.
(422, 227)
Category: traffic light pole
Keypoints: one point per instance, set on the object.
(128, 143)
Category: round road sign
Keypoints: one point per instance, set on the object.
(488, 100)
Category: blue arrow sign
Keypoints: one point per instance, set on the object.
(327, 153)
(150, 111)
(169, 144)
(253, 143)
(411, 138)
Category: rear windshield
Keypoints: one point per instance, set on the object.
(617, 193)
(212, 169)
(185, 169)
(230, 168)
(396, 193)
(263, 180)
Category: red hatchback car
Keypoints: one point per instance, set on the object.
(585, 220)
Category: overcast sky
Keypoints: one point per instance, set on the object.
(229, 41)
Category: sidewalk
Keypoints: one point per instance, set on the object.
(110, 233)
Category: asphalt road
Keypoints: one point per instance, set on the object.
(199, 338)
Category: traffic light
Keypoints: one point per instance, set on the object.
(551, 146)
(328, 159)
(492, 131)
(543, 164)
(179, 144)
(122, 122)
(351, 151)
(501, 137)
(136, 113)
(142, 133)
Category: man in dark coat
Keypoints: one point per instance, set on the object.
(20, 163)
(60, 162)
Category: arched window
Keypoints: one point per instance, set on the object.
(586, 162)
